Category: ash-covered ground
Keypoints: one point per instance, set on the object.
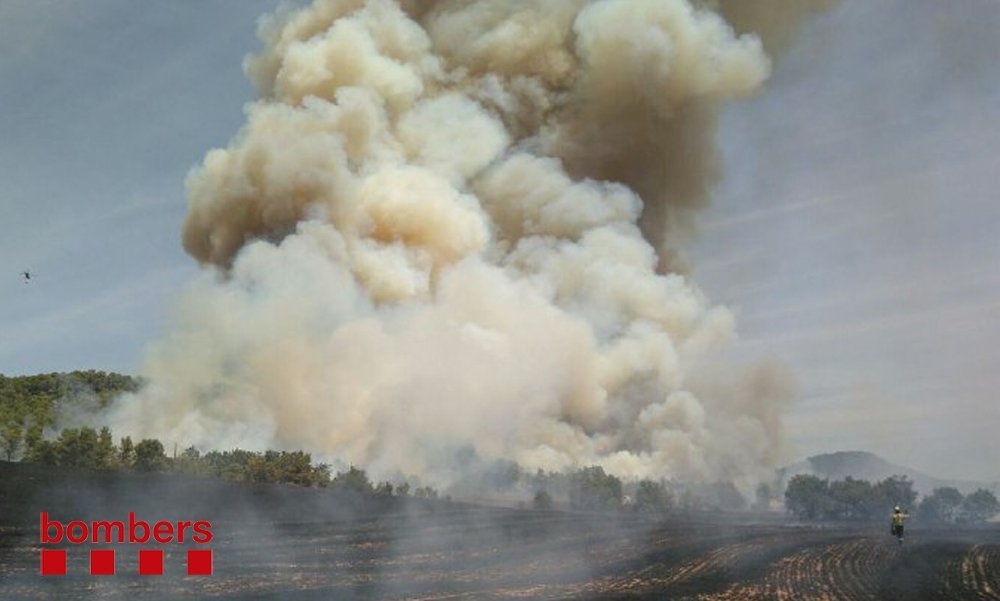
(287, 543)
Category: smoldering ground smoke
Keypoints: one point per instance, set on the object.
(457, 224)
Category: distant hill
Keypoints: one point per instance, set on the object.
(863, 465)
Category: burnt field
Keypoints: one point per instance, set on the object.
(280, 543)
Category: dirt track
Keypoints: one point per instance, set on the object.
(455, 552)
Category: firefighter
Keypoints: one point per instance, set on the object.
(898, 516)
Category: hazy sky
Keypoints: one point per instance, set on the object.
(856, 233)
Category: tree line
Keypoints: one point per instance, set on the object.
(811, 498)
(589, 488)
(93, 449)
(29, 406)
(592, 489)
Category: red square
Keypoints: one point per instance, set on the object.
(53, 562)
(102, 562)
(151, 562)
(199, 562)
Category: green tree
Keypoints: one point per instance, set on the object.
(652, 497)
(78, 448)
(126, 452)
(321, 474)
(105, 455)
(190, 462)
(11, 437)
(32, 438)
(149, 456)
(941, 506)
(894, 491)
(978, 507)
(808, 497)
(36, 399)
(295, 467)
(262, 468)
(44, 452)
(591, 488)
(854, 500)
(231, 465)
(353, 480)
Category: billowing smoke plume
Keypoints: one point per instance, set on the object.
(454, 224)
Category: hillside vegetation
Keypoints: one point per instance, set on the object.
(30, 404)
(811, 498)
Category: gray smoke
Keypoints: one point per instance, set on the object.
(457, 225)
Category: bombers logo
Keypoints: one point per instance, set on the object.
(102, 561)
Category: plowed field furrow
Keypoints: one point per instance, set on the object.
(845, 570)
(976, 575)
(658, 577)
(860, 564)
(497, 555)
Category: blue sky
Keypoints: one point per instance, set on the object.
(856, 233)
(105, 107)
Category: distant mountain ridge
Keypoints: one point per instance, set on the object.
(863, 465)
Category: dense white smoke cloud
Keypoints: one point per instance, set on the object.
(455, 224)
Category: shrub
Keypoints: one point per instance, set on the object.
(542, 501)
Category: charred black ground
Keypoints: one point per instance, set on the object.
(281, 542)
